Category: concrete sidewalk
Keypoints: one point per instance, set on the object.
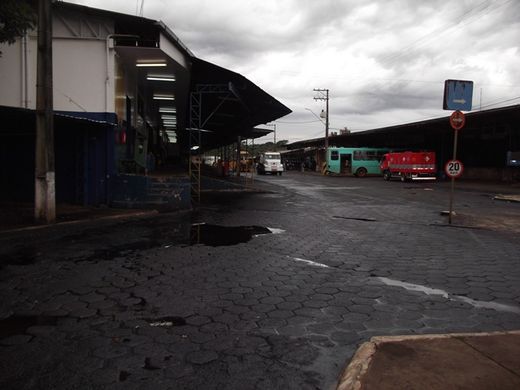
(20, 216)
(450, 361)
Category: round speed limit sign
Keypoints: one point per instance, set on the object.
(454, 168)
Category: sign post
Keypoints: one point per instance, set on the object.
(453, 169)
(458, 96)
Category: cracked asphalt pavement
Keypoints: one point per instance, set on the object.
(170, 301)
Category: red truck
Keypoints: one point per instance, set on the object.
(409, 166)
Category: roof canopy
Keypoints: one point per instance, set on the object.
(226, 105)
(416, 134)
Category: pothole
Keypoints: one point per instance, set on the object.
(18, 325)
(215, 235)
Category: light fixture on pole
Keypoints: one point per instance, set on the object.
(316, 115)
(323, 94)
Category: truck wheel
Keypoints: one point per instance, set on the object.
(387, 175)
(361, 172)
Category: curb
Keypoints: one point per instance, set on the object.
(79, 221)
(507, 198)
(354, 374)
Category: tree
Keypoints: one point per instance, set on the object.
(266, 147)
(16, 17)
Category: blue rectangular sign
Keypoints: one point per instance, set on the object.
(458, 95)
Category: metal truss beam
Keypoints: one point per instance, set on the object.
(197, 123)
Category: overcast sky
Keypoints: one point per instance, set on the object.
(384, 61)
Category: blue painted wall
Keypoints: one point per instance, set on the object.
(135, 191)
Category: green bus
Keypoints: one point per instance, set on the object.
(355, 161)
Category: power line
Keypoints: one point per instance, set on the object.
(475, 13)
(298, 123)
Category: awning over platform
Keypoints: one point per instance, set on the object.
(482, 125)
(226, 105)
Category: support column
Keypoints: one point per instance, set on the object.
(239, 142)
(44, 191)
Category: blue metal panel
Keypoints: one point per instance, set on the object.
(458, 95)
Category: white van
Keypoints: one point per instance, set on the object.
(270, 162)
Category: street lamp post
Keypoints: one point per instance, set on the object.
(323, 94)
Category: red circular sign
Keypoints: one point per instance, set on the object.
(457, 120)
(454, 168)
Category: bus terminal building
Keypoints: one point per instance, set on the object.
(129, 98)
(488, 144)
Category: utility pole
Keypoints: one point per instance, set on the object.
(273, 125)
(323, 94)
(44, 191)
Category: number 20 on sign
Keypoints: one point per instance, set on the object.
(454, 168)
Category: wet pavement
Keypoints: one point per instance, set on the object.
(255, 290)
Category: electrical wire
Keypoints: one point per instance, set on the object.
(475, 13)
(297, 123)
(470, 16)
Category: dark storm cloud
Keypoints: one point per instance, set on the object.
(383, 61)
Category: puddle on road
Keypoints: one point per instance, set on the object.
(216, 235)
(165, 236)
(196, 234)
(25, 256)
(434, 291)
(17, 325)
(413, 287)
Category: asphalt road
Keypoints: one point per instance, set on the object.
(214, 300)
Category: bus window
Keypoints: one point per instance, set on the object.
(372, 155)
(359, 155)
(334, 155)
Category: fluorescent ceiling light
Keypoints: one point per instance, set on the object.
(168, 117)
(168, 110)
(202, 130)
(163, 97)
(150, 63)
(160, 78)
